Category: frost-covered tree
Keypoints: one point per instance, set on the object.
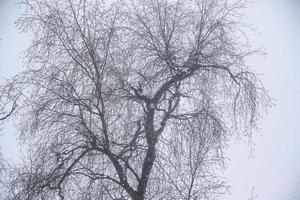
(130, 99)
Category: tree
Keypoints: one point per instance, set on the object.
(130, 99)
(4, 167)
(1, 173)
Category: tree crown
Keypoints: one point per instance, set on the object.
(130, 99)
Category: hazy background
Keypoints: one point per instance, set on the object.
(274, 168)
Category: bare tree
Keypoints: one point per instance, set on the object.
(7, 107)
(1, 175)
(131, 99)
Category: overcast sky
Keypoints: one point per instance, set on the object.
(274, 168)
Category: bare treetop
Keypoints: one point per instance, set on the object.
(130, 99)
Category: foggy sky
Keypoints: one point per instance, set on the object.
(274, 168)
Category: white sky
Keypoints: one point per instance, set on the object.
(274, 170)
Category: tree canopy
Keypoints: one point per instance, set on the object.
(130, 99)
